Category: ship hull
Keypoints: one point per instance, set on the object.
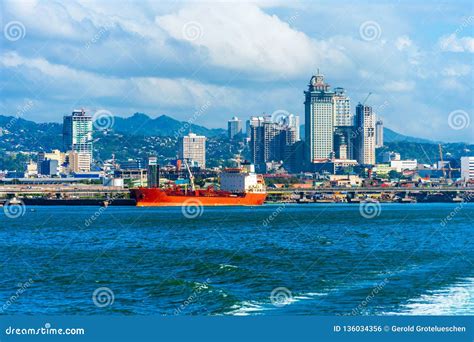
(154, 197)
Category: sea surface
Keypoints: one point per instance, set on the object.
(310, 259)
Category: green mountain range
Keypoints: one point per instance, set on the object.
(142, 124)
(139, 136)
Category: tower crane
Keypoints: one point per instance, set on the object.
(441, 160)
(366, 98)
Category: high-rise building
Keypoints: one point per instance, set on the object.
(247, 130)
(256, 135)
(234, 127)
(77, 132)
(294, 122)
(365, 135)
(192, 148)
(342, 109)
(319, 117)
(467, 168)
(379, 133)
(270, 141)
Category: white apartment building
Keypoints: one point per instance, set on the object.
(192, 148)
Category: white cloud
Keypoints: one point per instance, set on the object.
(454, 44)
(403, 42)
(253, 56)
(457, 70)
(452, 84)
(65, 81)
(399, 86)
(247, 39)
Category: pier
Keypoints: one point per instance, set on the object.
(94, 194)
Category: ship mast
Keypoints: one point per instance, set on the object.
(191, 177)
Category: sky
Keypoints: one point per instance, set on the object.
(205, 62)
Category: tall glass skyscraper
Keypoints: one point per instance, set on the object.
(77, 132)
(234, 127)
(319, 117)
(379, 133)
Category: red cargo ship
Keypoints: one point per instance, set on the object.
(156, 197)
(239, 187)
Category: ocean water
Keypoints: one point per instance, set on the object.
(315, 259)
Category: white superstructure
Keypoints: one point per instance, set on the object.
(467, 168)
(238, 180)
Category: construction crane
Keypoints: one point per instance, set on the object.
(366, 98)
(441, 160)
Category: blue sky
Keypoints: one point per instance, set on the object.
(209, 61)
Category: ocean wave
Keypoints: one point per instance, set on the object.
(246, 308)
(226, 266)
(457, 299)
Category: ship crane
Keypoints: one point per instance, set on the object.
(191, 177)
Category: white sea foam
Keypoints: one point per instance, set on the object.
(457, 299)
(226, 266)
(246, 308)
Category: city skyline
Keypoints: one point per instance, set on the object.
(405, 55)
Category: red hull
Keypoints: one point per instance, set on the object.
(155, 197)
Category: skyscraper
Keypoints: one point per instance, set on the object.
(234, 127)
(365, 135)
(270, 141)
(342, 109)
(294, 121)
(192, 148)
(77, 132)
(319, 116)
(379, 133)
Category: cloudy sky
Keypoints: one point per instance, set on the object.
(220, 59)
